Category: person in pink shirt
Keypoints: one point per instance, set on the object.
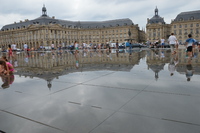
(9, 65)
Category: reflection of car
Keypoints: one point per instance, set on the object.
(121, 51)
(138, 45)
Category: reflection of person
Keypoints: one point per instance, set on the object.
(172, 65)
(25, 47)
(189, 71)
(77, 61)
(7, 80)
(77, 64)
(10, 53)
(172, 42)
(162, 54)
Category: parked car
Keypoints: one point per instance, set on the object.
(122, 46)
(71, 47)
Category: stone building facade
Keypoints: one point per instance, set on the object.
(185, 23)
(156, 28)
(47, 30)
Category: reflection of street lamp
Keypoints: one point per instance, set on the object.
(129, 34)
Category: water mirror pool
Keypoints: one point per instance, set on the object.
(142, 90)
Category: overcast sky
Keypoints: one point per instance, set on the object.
(94, 10)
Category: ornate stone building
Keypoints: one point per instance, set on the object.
(46, 30)
(157, 28)
(186, 23)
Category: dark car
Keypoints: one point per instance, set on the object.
(71, 47)
(122, 46)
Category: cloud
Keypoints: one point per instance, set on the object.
(94, 10)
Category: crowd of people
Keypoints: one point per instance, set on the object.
(174, 44)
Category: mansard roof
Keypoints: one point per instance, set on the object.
(44, 19)
(191, 15)
(156, 18)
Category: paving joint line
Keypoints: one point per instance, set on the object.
(32, 120)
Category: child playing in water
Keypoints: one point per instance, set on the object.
(9, 65)
(3, 68)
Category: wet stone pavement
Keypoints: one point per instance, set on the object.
(140, 91)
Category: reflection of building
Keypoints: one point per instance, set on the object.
(185, 23)
(155, 62)
(46, 30)
(47, 66)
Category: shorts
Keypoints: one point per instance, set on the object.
(76, 48)
(163, 44)
(189, 49)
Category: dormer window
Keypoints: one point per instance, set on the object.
(180, 19)
(192, 18)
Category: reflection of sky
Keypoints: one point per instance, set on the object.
(83, 100)
(23, 79)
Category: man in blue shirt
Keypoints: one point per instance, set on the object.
(190, 43)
